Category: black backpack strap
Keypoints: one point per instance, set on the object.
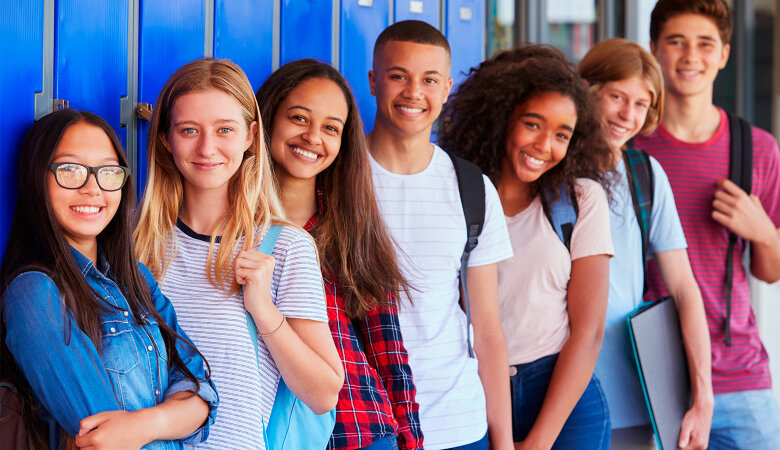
(741, 173)
(641, 183)
(561, 212)
(472, 196)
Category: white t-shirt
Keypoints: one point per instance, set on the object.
(216, 323)
(533, 284)
(424, 214)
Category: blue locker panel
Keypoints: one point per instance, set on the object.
(90, 56)
(361, 23)
(243, 32)
(466, 34)
(22, 30)
(306, 30)
(171, 34)
(425, 10)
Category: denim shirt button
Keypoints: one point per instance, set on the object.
(156, 392)
(149, 347)
(125, 313)
(112, 329)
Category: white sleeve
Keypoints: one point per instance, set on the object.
(493, 245)
(297, 280)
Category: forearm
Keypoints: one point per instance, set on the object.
(493, 358)
(765, 257)
(176, 418)
(696, 339)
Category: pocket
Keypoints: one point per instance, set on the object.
(119, 352)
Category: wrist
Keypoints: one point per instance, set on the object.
(151, 423)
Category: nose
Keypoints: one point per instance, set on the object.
(207, 146)
(312, 135)
(544, 142)
(413, 89)
(91, 187)
(627, 110)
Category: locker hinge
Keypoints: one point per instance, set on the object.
(144, 111)
(58, 104)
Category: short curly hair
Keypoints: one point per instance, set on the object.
(476, 117)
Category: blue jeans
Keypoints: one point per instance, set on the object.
(588, 425)
(481, 444)
(749, 419)
(386, 443)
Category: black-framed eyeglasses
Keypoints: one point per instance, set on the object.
(75, 175)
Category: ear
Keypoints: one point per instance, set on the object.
(653, 49)
(250, 136)
(372, 82)
(165, 142)
(449, 88)
(724, 57)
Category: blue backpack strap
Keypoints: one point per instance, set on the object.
(641, 183)
(741, 173)
(471, 186)
(561, 212)
(267, 246)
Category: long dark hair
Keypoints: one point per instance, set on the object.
(37, 242)
(353, 242)
(476, 117)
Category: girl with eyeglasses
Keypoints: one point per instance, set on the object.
(88, 341)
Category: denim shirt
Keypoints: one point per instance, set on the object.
(72, 380)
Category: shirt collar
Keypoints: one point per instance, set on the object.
(85, 265)
(320, 210)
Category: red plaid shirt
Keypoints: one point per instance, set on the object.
(377, 399)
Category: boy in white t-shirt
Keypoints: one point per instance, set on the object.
(417, 191)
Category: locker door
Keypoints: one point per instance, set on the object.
(306, 30)
(243, 32)
(466, 34)
(20, 77)
(90, 56)
(425, 10)
(171, 34)
(361, 23)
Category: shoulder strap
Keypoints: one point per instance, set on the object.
(267, 246)
(741, 173)
(562, 212)
(471, 186)
(641, 184)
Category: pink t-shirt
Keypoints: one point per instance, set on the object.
(693, 169)
(532, 285)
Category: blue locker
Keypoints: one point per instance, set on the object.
(306, 30)
(171, 34)
(90, 56)
(425, 10)
(361, 23)
(466, 34)
(243, 32)
(20, 77)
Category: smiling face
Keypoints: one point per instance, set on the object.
(538, 136)
(83, 213)
(207, 138)
(624, 105)
(690, 52)
(307, 129)
(411, 83)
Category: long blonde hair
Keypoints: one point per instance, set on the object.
(251, 193)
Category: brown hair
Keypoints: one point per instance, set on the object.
(716, 10)
(415, 31)
(476, 118)
(618, 59)
(354, 245)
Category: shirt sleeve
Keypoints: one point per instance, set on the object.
(177, 380)
(297, 277)
(386, 352)
(666, 232)
(493, 244)
(766, 173)
(591, 235)
(58, 360)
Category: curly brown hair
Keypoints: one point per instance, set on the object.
(476, 117)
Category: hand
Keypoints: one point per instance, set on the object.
(695, 429)
(742, 214)
(114, 430)
(527, 445)
(254, 269)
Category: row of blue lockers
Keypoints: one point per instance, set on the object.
(110, 56)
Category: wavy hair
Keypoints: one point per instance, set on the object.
(36, 242)
(251, 191)
(354, 245)
(476, 118)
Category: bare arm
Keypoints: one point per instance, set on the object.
(680, 283)
(745, 216)
(587, 308)
(491, 351)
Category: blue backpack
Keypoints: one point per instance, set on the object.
(292, 425)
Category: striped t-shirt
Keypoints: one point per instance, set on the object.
(216, 323)
(693, 170)
(424, 215)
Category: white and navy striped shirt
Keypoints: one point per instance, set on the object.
(216, 323)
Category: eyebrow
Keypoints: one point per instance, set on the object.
(680, 36)
(194, 122)
(74, 156)
(625, 94)
(542, 118)
(427, 72)
(337, 119)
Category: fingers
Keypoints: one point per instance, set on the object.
(88, 424)
(685, 434)
(730, 187)
(251, 264)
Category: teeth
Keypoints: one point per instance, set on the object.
(305, 153)
(406, 109)
(689, 72)
(86, 209)
(532, 160)
(619, 129)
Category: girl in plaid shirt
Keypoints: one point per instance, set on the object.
(321, 164)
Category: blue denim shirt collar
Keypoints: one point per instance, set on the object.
(86, 266)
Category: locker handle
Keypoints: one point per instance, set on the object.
(144, 111)
(58, 104)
